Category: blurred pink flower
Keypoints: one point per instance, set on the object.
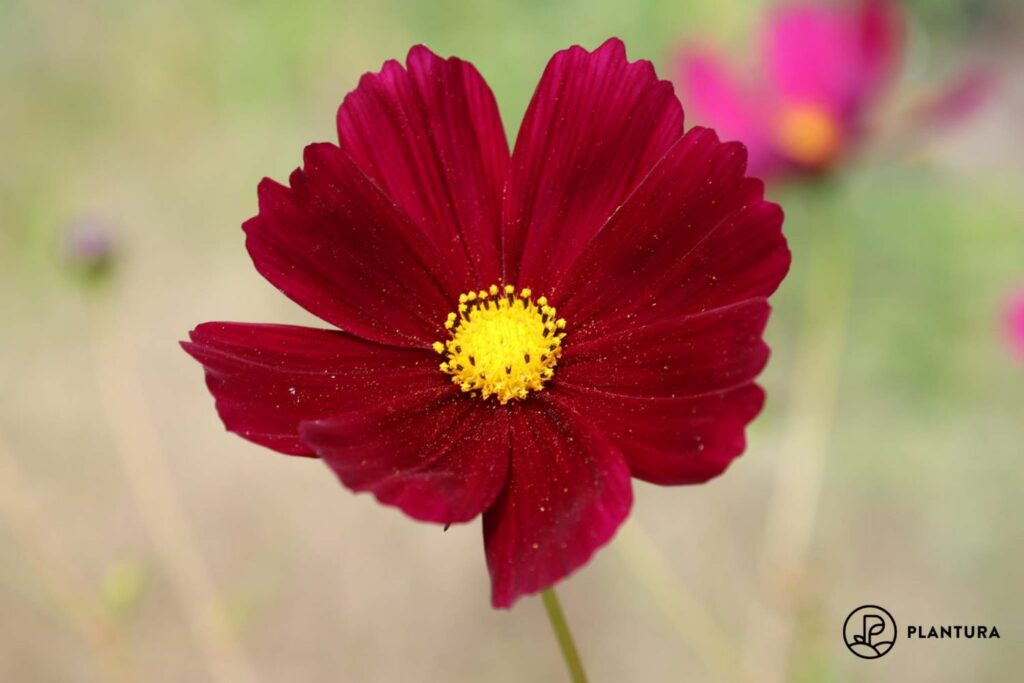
(822, 68)
(959, 99)
(1014, 322)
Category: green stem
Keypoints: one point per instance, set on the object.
(564, 636)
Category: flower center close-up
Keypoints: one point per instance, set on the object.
(500, 344)
(809, 134)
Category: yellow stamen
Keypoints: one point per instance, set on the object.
(809, 134)
(501, 346)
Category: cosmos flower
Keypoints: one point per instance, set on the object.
(517, 334)
(1014, 323)
(822, 67)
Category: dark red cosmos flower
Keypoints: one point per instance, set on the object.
(452, 386)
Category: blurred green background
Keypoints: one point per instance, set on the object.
(138, 541)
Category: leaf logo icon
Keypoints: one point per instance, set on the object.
(869, 631)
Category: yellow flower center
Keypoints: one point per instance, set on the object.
(501, 345)
(809, 134)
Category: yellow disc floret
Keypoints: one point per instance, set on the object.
(501, 344)
(809, 134)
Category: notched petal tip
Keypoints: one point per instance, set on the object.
(420, 56)
(738, 150)
(317, 155)
(760, 310)
(613, 43)
(725, 147)
(561, 191)
(419, 49)
(428, 134)
(188, 347)
(609, 45)
(614, 50)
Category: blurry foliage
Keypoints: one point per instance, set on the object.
(123, 586)
(958, 15)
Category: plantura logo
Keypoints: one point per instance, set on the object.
(869, 631)
(953, 631)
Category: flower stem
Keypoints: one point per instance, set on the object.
(564, 636)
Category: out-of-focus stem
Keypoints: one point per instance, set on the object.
(640, 554)
(67, 590)
(564, 636)
(803, 447)
(137, 443)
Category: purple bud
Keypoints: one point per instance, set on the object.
(90, 245)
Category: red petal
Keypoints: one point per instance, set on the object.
(595, 127)
(439, 458)
(694, 236)
(339, 247)
(567, 492)
(693, 355)
(673, 441)
(432, 139)
(267, 379)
